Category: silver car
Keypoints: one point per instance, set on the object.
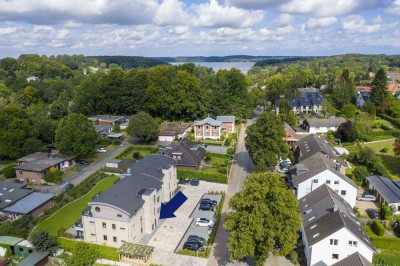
(366, 197)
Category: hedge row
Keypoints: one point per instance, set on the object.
(387, 260)
(386, 242)
(108, 253)
(130, 149)
(394, 121)
(205, 176)
(217, 216)
(377, 228)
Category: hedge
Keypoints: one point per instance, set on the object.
(9, 170)
(377, 228)
(108, 253)
(386, 242)
(201, 254)
(387, 260)
(130, 149)
(205, 176)
(394, 121)
(217, 216)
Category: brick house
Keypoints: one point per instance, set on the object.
(228, 123)
(208, 128)
(32, 168)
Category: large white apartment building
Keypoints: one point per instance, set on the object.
(331, 233)
(131, 207)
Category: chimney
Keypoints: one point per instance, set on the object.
(338, 167)
(334, 209)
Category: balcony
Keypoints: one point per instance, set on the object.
(87, 212)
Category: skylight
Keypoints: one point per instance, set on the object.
(316, 235)
(313, 226)
(312, 218)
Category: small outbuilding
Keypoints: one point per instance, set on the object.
(385, 190)
(135, 253)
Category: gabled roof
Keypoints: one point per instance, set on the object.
(312, 144)
(208, 120)
(99, 129)
(226, 119)
(303, 101)
(314, 165)
(126, 193)
(191, 153)
(29, 203)
(355, 259)
(324, 213)
(326, 122)
(363, 88)
(292, 132)
(388, 189)
(393, 87)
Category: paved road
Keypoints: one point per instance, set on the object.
(239, 172)
(87, 171)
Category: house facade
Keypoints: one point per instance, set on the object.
(228, 123)
(32, 168)
(317, 170)
(362, 98)
(208, 128)
(131, 207)
(330, 230)
(320, 125)
(309, 104)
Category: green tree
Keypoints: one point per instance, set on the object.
(30, 95)
(360, 173)
(264, 140)
(349, 110)
(385, 212)
(379, 90)
(143, 126)
(264, 211)
(9, 170)
(396, 147)
(60, 107)
(43, 242)
(76, 135)
(83, 255)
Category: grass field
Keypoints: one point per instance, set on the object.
(69, 214)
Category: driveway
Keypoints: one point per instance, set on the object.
(216, 149)
(363, 205)
(170, 231)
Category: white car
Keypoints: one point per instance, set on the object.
(203, 222)
(366, 197)
(101, 150)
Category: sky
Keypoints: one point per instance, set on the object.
(199, 27)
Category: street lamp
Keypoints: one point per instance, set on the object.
(227, 167)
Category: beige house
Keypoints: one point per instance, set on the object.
(130, 208)
(208, 128)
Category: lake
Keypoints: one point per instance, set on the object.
(242, 66)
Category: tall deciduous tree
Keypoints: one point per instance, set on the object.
(379, 92)
(264, 140)
(76, 135)
(264, 212)
(143, 126)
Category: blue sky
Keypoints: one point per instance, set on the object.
(199, 27)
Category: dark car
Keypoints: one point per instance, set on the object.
(372, 213)
(82, 162)
(194, 182)
(198, 239)
(206, 207)
(182, 181)
(209, 201)
(193, 246)
(67, 187)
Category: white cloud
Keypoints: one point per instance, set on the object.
(213, 14)
(255, 4)
(357, 24)
(72, 24)
(171, 12)
(101, 11)
(394, 8)
(8, 30)
(329, 8)
(284, 19)
(320, 22)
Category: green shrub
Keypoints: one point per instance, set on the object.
(136, 155)
(53, 175)
(385, 150)
(385, 212)
(205, 176)
(377, 228)
(201, 254)
(293, 255)
(385, 242)
(385, 259)
(360, 173)
(8, 250)
(9, 170)
(217, 216)
(230, 151)
(207, 156)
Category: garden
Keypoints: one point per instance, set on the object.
(137, 152)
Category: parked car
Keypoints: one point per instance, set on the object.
(203, 222)
(206, 207)
(101, 150)
(372, 213)
(193, 246)
(366, 197)
(208, 201)
(194, 238)
(183, 181)
(67, 187)
(82, 162)
(194, 182)
(283, 170)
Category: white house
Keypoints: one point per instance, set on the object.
(310, 103)
(385, 190)
(174, 130)
(32, 78)
(318, 170)
(362, 98)
(131, 207)
(330, 230)
(319, 125)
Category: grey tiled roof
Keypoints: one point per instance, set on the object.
(324, 212)
(388, 189)
(208, 120)
(226, 119)
(192, 154)
(41, 161)
(99, 129)
(144, 175)
(174, 128)
(110, 118)
(355, 259)
(314, 165)
(327, 122)
(303, 101)
(312, 144)
(11, 192)
(29, 203)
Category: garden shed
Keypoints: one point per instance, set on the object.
(135, 253)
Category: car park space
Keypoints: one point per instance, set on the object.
(363, 205)
(171, 231)
(284, 165)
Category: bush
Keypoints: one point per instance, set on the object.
(293, 255)
(8, 250)
(360, 173)
(53, 175)
(9, 170)
(136, 155)
(205, 176)
(207, 156)
(385, 212)
(385, 259)
(377, 228)
(230, 151)
(385, 150)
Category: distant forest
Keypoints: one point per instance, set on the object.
(128, 61)
(230, 58)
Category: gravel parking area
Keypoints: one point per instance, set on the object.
(197, 230)
(363, 205)
(171, 231)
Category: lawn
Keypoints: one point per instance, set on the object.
(218, 164)
(127, 154)
(70, 213)
(105, 252)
